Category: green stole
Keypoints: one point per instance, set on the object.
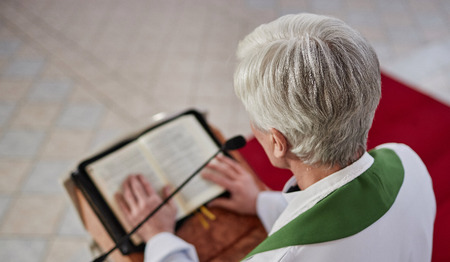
(347, 210)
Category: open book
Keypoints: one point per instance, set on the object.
(165, 154)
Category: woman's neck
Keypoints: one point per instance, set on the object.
(307, 175)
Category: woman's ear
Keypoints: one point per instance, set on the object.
(279, 142)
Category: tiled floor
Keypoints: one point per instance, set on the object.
(75, 74)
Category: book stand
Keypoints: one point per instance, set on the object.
(229, 238)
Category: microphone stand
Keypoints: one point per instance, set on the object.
(233, 143)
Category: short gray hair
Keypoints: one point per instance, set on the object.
(314, 79)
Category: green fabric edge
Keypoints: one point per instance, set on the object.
(357, 204)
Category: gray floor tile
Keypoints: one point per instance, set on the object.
(33, 215)
(24, 67)
(80, 116)
(50, 90)
(67, 144)
(8, 47)
(21, 143)
(261, 4)
(322, 6)
(433, 59)
(6, 109)
(105, 137)
(22, 250)
(69, 249)
(4, 203)
(12, 174)
(45, 177)
(13, 89)
(71, 224)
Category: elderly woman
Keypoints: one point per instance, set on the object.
(311, 85)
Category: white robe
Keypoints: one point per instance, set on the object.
(404, 233)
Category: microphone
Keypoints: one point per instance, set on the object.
(231, 144)
(234, 143)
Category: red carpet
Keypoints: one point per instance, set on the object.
(405, 116)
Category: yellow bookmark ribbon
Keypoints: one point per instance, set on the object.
(203, 212)
(207, 213)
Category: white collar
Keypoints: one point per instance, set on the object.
(300, 201)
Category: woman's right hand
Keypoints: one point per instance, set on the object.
(237, 180)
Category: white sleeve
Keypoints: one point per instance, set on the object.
(269, 206)
(166, 247)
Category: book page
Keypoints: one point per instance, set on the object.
(180, 147)
(109, 172)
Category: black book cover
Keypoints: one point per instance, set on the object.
(96, 200)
